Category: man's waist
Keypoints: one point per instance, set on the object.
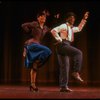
(65, 41)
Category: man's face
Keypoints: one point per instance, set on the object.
(71, 20)
(42, 18)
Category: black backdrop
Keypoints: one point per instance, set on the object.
(14, 13)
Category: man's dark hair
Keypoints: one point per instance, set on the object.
(69, 14)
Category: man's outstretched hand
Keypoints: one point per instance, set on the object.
(86, 15)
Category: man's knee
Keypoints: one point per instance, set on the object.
(79, 52)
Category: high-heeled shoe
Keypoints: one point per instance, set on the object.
(33, 89)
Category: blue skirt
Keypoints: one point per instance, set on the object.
(36, 52)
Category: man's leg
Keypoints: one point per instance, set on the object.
(76, 54)
(64, 73)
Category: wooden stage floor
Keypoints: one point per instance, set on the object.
(48, 92)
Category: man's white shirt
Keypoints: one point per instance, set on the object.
(64, 31)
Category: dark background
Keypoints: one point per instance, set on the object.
(14, 13)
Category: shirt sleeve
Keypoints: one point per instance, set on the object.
(75, 29)
(27, 26)
(55, 32)
(82, 24)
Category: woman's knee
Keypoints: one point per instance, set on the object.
(47, 51)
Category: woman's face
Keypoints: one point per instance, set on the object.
(42, 18)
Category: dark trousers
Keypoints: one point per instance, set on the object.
(64, 51)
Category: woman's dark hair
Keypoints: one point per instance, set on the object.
(40, 14)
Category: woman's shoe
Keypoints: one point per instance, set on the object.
(33, 89)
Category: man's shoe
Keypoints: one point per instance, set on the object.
(64, 89)
(77, 76)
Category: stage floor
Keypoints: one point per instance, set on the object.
(48, 92)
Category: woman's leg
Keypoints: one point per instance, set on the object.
(33, 78)
(33, 74)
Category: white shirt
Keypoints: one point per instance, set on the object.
(66, 31)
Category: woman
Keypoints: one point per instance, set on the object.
(34, 52)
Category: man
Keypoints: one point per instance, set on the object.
(64, 34)
(34, 52)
